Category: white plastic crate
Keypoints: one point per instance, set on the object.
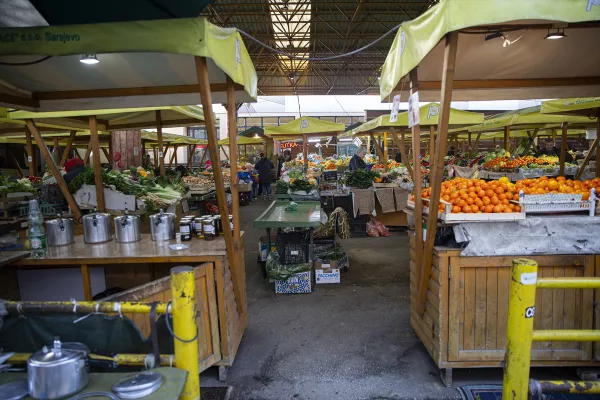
(557, 203)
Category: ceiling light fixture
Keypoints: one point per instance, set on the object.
(555, 35)
(89, 59)
(256, 136)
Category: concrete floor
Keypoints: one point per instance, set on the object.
(347, 341)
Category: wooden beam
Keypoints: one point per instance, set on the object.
(438, 166)
(173, 156)
(431, 142)
(110, 152)
(161, 154)
(56, 148)
(225, 154)
(376, 145)
(586, 160)
(77, 153)
(598, 147)
(30, 153)
(165, 124)
(19, 170)
(88, 152)
(304, 150)
(563, 149)
(67, 150)
(401, 144)
(191, 151)
(155, 151)
(211, 133)
(233, 154)
(385, 148)
(124, 92)
(476, 145)
(53, 169)
(506, 137)
(105, 151)
(97, 165)
(18, 101)
(512, 83)
(417, 179)
(203, 156)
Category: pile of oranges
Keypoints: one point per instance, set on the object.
(501, 196)
(558, 185)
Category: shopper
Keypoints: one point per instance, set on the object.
(398, 157)
(73, 167)
(357, 162)
(264, 166)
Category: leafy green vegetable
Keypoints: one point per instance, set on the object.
(361, 179)
(301, 184)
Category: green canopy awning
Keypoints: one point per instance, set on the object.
(428, 116)
(141, 64)
(507, 66)
(116, 119)
(252, 131)
(304, 126)
(588, 107)
(242, 140)
(528, 117)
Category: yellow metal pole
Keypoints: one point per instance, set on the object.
(119, 359)
(521, 308)
(568, 283)
(567, 335)
(183, 305)
(581, 387)
(84, 307)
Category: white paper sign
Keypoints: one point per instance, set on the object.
(136, 151)
(160, 153)
(395, 109)
(357, 142)
(29, 159)
(414, 117)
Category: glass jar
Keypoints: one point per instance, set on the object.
(185, 230)
(208, 228)
(198, 227)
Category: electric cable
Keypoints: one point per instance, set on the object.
(20, 64)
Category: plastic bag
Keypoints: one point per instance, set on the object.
(381, 229)
(372, 229)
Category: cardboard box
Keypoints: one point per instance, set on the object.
(330, 275)
(262, 248)
(244, 187)
(297, 283)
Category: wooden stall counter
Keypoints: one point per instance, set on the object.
(464, 323)
(142, 268)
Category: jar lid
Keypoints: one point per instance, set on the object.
(15, 390)
(138, 382)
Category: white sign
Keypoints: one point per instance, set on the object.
(304, 124)
(591, 134)
(136, 151)
(395, 109)
(160, 153)
(357, 142)
(433, 111)
(414, 117)
(529, 278)
(29, 159)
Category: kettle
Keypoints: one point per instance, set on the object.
(60, 231)
(127, 228)
(162, 226)
(96, 227)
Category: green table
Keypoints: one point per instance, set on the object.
(307, 215)
(172, 386)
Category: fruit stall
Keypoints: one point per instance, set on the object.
(215, 68)
(460, 261)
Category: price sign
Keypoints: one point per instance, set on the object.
(357, 142)
(414, 117)
(395, 109)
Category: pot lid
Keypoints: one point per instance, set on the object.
(97, 215)
(138, 383)
(14, 390)
(51, 356)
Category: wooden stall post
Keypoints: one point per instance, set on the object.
(476, 144)
(97, 165)
(402, 148)
(191, 151)
(19, 170)
(506, 135)
(211, 131)
(431, 142)
(111, 152)
(57, 149)
(88, 152)
(470, 144)
(563, 148)
(155, 153)
(376, 145)
(416, 151)
(173, 156)
(304, 151)
(233, 153)
(438, 166)
(225, 153)
(385, 148)
(598, 147)
(204, 156)
(586, 160)
(62, 185)
(159, 136)
(30, 154)
(65, 154)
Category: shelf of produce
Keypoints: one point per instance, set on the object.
(457, 218)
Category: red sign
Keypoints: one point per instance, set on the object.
(200, 146)
(289, 145)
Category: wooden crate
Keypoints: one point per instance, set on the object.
(209, 349)
(464, 324)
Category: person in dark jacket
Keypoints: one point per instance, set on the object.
(264, 166)
(398, 157)
(73, 167)
(357, 162)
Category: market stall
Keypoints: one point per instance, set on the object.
(212, 65)
(458, 301)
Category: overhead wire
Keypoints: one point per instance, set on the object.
(21, 64)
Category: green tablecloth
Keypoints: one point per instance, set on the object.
(307, 215)
(172, 386)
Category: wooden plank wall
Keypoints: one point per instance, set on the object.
(128, 144)
(209, 351)
(478, 325)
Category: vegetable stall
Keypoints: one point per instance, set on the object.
(212, 65)
(459, 298)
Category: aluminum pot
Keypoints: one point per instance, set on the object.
(162, 226)
(60, 231)
(127, 228)
(96, 227)
(56, 373)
